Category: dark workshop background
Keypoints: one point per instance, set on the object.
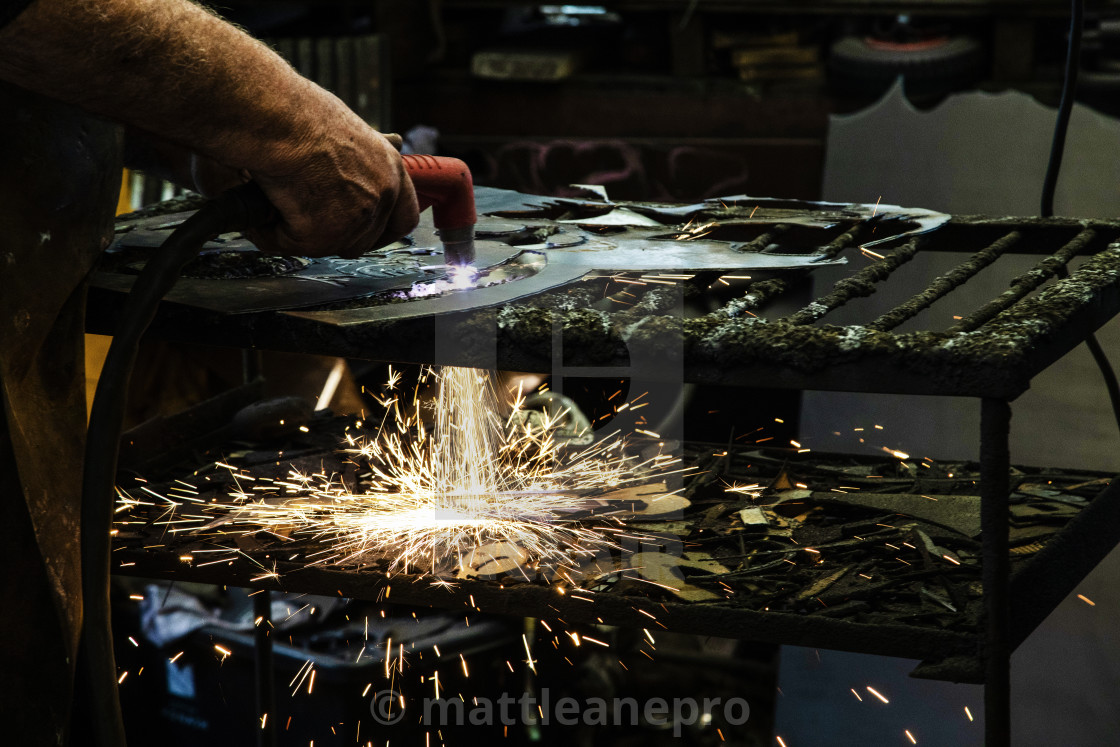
(683, 100)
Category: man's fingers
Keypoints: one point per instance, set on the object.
(390, 224)
(404, 216)
(394, 139)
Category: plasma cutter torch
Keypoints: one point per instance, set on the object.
(444, 184)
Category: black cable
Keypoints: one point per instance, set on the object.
(96, 688)
(1101, 359)
(1065, 107)
(1050, 182)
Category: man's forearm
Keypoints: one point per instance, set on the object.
(149, 63)
(188, 78)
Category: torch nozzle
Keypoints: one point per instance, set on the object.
(445, 185)
(458, 246)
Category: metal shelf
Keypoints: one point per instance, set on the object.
(1063, 537)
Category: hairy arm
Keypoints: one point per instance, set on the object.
(173, 70)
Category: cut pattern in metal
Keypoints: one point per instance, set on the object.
(570, 238)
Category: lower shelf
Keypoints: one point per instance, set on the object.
(869, 555)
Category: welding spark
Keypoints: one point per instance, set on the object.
(393, 380)
(457, 278)
(462, 276)
(691, 231)
(477, 488)
(877, 694)
(869, 253)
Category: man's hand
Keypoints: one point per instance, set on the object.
(341, 189)
(171, 69)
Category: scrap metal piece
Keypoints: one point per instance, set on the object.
(618, 217)
(754, 516)
(957, 512)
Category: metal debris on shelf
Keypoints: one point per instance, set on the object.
(867, 544)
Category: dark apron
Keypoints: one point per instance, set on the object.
(59, 179)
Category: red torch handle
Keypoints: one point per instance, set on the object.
(445, 185)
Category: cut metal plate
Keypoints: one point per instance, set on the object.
(526, 245)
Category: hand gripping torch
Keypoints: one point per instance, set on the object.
(445, 185)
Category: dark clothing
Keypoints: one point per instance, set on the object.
(59, 179)
(9, 9)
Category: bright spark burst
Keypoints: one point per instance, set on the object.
(467, 489)
(457, 278)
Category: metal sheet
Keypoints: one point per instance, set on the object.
(573, 238)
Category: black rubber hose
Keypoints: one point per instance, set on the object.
(1065, 107)
(236, 210)
(1054, 167)
(1101, 359)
